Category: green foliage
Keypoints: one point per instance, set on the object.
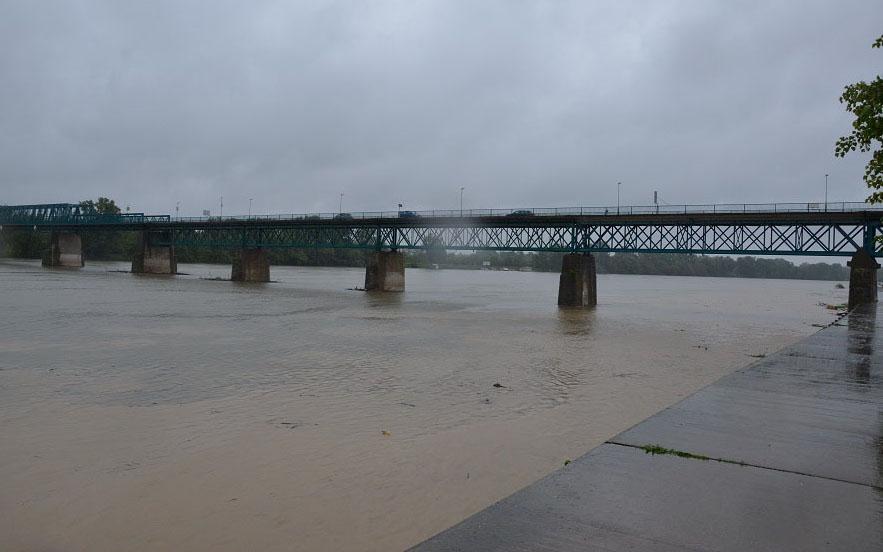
(103, 245)
(658, 449)
(653, 450)
(24, 243)
(865, 101)
(103, 206)
(663, 264)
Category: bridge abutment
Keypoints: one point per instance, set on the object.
(251, 265)
(385, 271)
(153, 259)
(65, 250)
(862, 279)
(577, 286)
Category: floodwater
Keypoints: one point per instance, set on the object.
(179, 413)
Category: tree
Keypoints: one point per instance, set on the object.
(101, 244)
(865, 101)
(103, 206)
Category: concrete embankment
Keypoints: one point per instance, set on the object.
(786, 454)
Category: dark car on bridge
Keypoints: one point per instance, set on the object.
(408, 214)
(343, 216)
(521, 213)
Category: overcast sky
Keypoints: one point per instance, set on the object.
(522, 103)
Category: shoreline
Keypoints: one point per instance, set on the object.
(811, 459)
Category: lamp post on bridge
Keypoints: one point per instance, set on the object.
(249, 206)
(340, 204)
(618, 185)
(826, 193)
(461, 201)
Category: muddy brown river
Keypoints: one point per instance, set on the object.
(181, 413)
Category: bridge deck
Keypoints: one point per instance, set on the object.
(776, 229)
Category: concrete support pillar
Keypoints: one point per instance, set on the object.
(251, 265)
(153, 259)
(385, 271)
(578, 284)
(65, 250)
(862, 279)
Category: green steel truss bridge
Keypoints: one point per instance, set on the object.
(808, 229)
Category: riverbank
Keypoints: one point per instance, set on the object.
(784, 455)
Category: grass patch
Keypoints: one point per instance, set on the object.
(659, 449)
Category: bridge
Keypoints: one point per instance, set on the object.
(807, 229)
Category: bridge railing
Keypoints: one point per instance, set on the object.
(832, 207)
(63, 214)
(12, 217)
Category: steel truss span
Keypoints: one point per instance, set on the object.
(70, 214)
(832, 239)
(774, 231)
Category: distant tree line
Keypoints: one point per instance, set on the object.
(667, 264)
(120, 246)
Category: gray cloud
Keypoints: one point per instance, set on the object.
(522, 103)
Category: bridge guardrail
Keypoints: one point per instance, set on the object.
(13, 218)
(725, 208)
(41, 215)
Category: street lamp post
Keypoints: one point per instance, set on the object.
(249, 206)
(618, 185)
(340, 204)
(177, 208)
(826, 193)
(461, 201)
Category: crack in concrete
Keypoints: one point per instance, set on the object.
(692, 456)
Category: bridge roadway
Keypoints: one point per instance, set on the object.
(806, 229)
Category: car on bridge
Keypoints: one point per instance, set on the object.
(408, 214)
(343, 216)
(521, 213)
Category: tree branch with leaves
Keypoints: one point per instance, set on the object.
(865, 101)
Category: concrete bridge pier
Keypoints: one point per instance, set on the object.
(862, 279)
(65, 250)
(578, 285)
(153, 259)
(385, 271)
(251, 265)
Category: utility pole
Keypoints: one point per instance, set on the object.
(826, 193)
(618, 185)
(461, 201)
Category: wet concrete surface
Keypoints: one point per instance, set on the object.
(801, 436)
